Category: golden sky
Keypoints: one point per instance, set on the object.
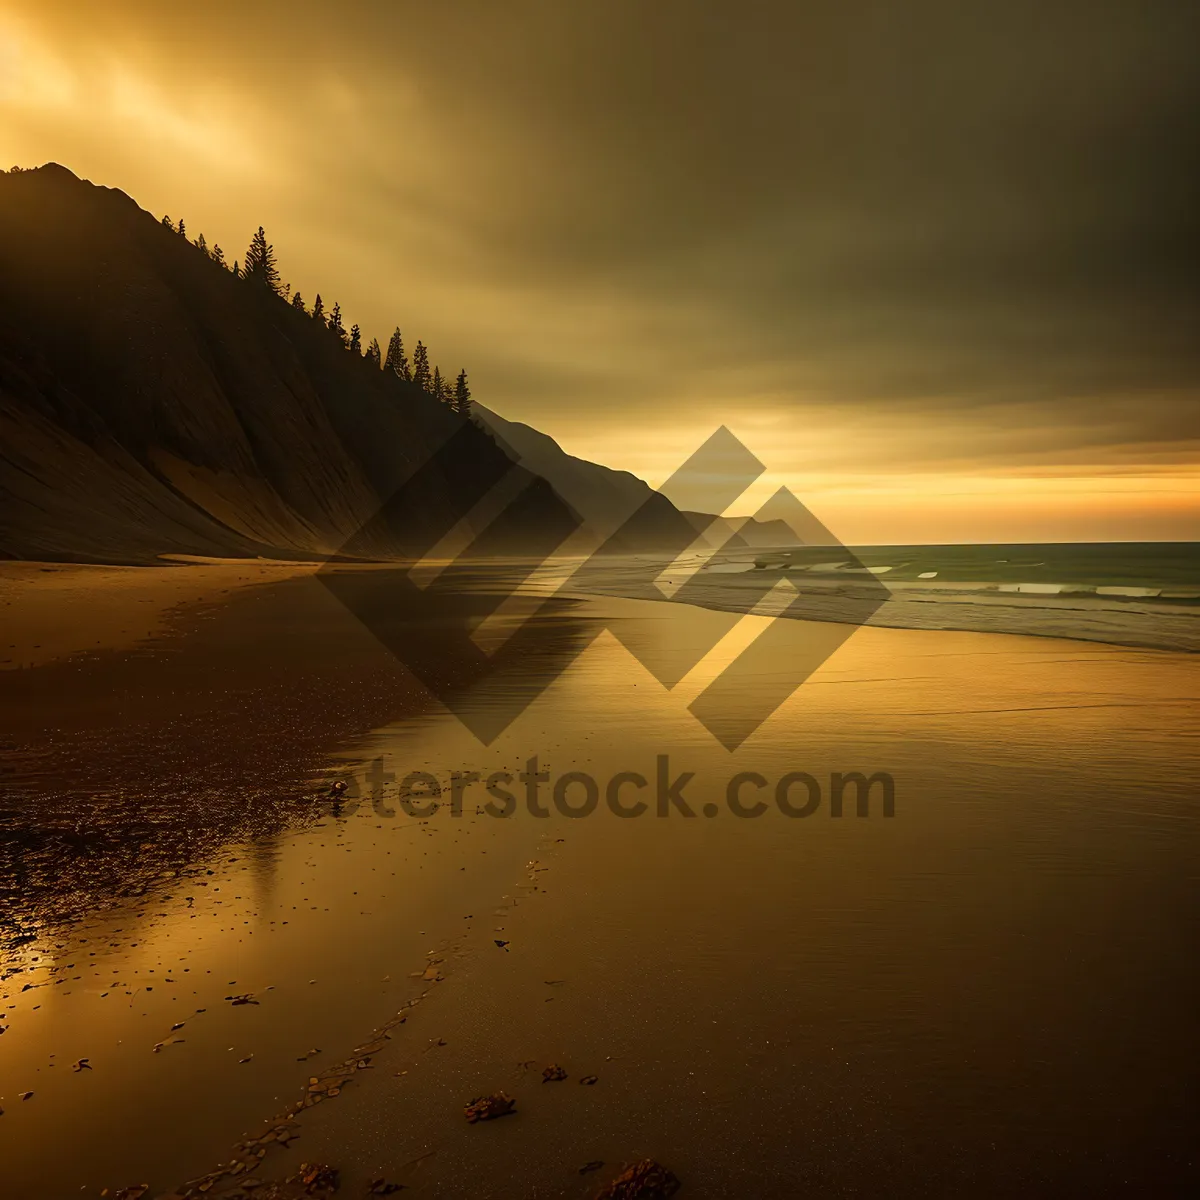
(930, 262)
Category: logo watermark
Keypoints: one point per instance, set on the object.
(664, 791)
(487, 644)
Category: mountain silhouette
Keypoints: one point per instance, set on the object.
(604, 498)
(616, 507)
(152, 402)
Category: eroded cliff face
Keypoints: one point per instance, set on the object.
(151, 403)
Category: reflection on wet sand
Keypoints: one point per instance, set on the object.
(129, 766)
(936, 1001)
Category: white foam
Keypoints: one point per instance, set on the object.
(1128, 591)
(1036, 589)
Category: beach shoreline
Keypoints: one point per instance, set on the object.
(130, 606)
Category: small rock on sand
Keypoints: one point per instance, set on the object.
(645, 1180)
(488, 1108)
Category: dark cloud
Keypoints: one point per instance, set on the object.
(945, 203)
(958, 214)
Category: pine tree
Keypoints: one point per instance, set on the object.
(298, 302)
(396, 359)
(218, 255)
(436, 387)
(356, 338)
(287, 291)
(374, 353)
(420, 367)
(168, 222)
(237, 271)
(462, 395)
(335, 322)
(260, 265)
(202, 245)
(318, 311)
(181, 228)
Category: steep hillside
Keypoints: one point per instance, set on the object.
(607, 500)
(151, 402)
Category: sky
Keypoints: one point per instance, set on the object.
(933, 262)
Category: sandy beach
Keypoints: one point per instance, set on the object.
(765, 1004)
(43, 605)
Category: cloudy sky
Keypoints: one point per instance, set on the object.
(933, 261)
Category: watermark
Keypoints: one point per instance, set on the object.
(664, 791)
(488, 642)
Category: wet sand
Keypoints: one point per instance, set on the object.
(989, 992)
(41, 604)
(122, 765)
